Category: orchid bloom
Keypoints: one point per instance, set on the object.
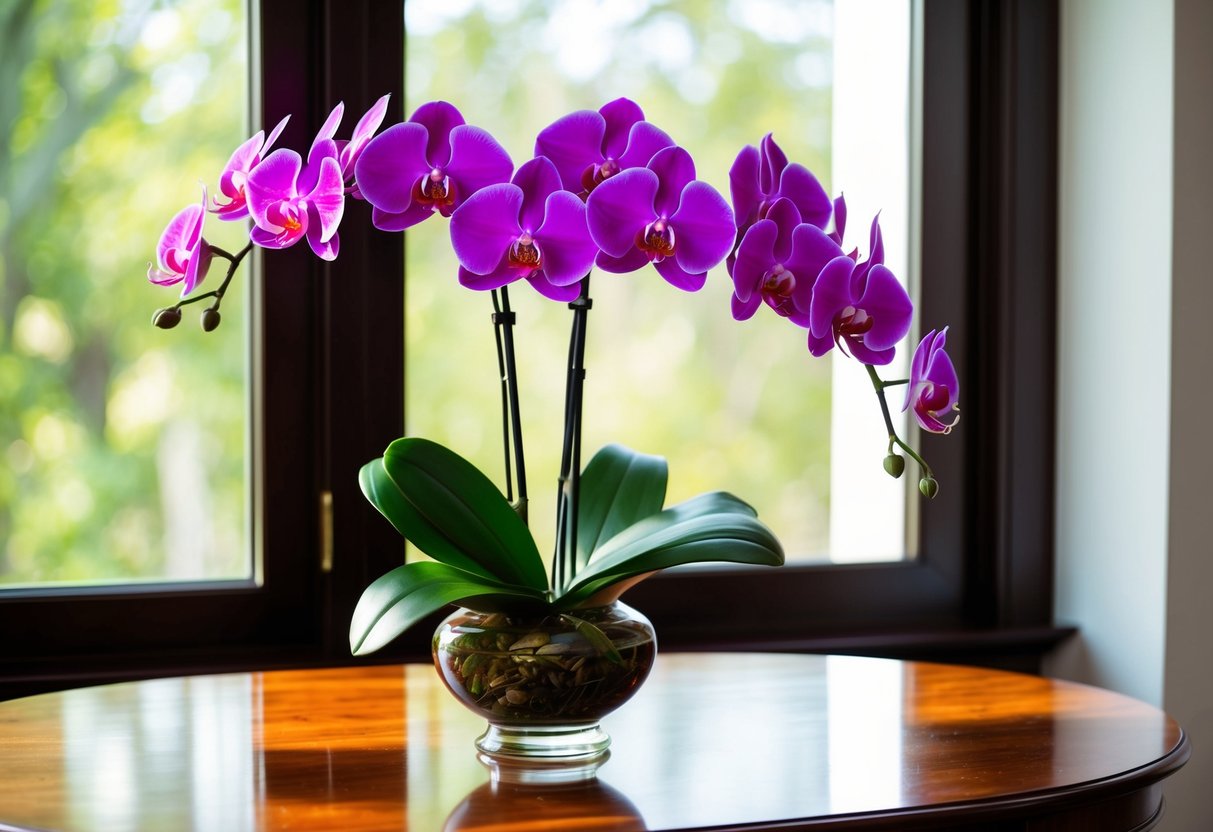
(529, 228)
(934, 388)
(349, 150)
(182, 254)
(777, 263)
(661, 214)
(235, 173)
(589, 147)
(861, 307)
(426, 165)
(760, 176)
(289, 200)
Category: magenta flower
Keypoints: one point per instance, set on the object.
(348, 151)
(761, 176)
(934, 388)
(860, 307)
(235, 174)
(182, 254)
(777, 263)
(428, 164)
(589, 147)
(661, 214)
(528, 229)
(289, 200)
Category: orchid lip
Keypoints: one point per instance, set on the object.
(657, 240)
(525, 254)
(435, 189)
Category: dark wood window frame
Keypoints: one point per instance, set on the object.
(328, 345)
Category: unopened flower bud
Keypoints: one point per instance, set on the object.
(894, 464)
(929, 487)
(210, 319)
(167, 318)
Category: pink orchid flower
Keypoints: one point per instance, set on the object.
(182, 254)
(235, 174)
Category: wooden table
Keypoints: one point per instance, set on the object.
(724, 741)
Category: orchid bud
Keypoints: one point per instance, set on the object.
(894, 464)
(167, 318)
(929, 487)
(210, 319)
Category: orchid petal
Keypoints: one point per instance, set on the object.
(864, 354)
(743, 310)
(564, 239)
(630, 262)
(274, 134)
(271, 182)
(840, 218)
(755, 256)
(325, 249)
(327, 201)
(620, 208)
(679, 277)
(390, 165)
(887, 303)
(573, 143)
(675, 169)
(537, 179)
(619, 117)
(244, 157)
(644, 140)
(831, 294)
(743, 186)
(363, 131)
(329, 128)
(798, 184)
(199, 265)
(310, 175)
(819, 345)
(784, 214)
(704, 227)
(440, 119)
(176, 233)
(543, 285)
(918, 366)
(499, 275)
(773, 163)
(484, 227)
(399, 221)
(812, 249)
(477, 161)
(163, 278)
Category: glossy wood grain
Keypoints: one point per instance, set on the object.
(711, 742)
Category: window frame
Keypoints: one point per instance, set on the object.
(328, 348)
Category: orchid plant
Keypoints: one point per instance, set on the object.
(605, 189)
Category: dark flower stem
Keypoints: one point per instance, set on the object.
(511, 417)
(879, 385)
(234, 261)
(570, 459)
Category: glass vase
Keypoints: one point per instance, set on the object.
(544, 682)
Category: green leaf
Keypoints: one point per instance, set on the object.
(715, 527)
(619, 487)
(388, 498)
(407, 594)
(454, 513)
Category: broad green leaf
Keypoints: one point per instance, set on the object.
(407, 594)
(386, 496)
(714, 527)
(453, 506)
(618, 488)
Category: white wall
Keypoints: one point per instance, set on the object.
(1134, 461)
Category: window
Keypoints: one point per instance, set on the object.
(328, 379)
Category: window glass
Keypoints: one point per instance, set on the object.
(735, 406)
(123, 445)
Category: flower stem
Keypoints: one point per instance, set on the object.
(511, 417)
(570, 459)
(879, 385)
(234, 261)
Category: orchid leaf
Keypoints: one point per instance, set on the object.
(407, 594)
(619, 487)
(714, 527)
(454, 513)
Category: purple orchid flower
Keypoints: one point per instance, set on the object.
(530, 229)
(661, 214)
(761, 176)
(348, 151)
(934, 388)
(589, 147)
(182, 255)
(235, 173)
(777, 263)
(426, 165)
(289, 200)
(861, 307)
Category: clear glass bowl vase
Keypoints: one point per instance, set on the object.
(543, 683)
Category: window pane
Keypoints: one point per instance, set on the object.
(123, 444)
(738, 406)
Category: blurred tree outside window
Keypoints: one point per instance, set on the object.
(735, 406)
(123, 445)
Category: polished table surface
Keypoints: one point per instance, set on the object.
(712, 741)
